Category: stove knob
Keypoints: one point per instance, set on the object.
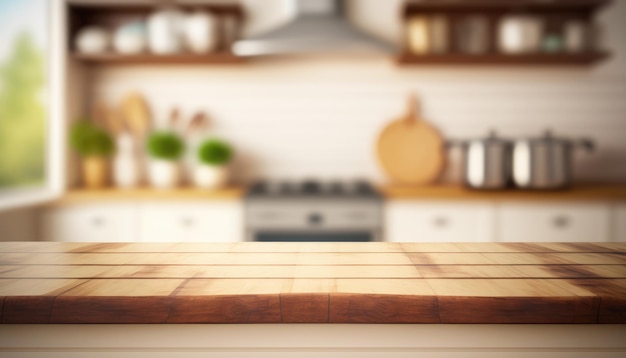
(315, 219)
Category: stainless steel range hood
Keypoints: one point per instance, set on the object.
(319, 26)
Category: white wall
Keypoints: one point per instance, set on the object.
(320, 116)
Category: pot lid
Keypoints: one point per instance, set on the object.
(491, 138)
(548, 138)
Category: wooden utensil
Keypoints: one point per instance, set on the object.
(114, 121)
(198, 124)
(410, 150)
(174, 124)
(136, 114)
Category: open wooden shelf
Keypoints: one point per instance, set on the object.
(541, 6)
(111, 15)
(553, 14)
(82, 195)
(503, 59)
(147, 58)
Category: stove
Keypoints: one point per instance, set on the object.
(310, 210)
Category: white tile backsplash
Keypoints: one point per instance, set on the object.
(320, 115)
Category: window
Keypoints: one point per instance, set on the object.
(28, 103)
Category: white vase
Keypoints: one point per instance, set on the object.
(164, 174)
(200, 32)
(165, 31)
(125, 163)
(210, 176)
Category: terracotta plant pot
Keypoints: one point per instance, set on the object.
(95, 172)
(210, 176)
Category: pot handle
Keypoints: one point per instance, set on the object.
(586, 143)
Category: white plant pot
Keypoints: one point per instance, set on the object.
(210, 176)
(164, 174)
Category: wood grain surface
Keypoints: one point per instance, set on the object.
(248, 282)
(579, 192)
(584, 192)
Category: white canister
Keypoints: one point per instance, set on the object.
(125, 164)
(165, 30)
(201, 32)
(164, 174)
(210, 176)
(520, 34)
(92, 39)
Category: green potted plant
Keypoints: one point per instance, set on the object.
(94, 145)
(211, 171)
(165, 150)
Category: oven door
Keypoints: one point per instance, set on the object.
(326, 236)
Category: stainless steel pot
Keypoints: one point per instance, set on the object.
(486, 162)
(545, 162)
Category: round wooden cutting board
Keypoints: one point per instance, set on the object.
(410, 150)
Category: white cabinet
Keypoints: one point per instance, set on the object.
(418, 221)
(214, 221)
(567, 222)
(619, 223)
(90, 223)
(217, 221)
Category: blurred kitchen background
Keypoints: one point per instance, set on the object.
(311, 114)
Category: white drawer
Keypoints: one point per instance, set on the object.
(220, 221)
(411, 221)
(90, 223)
(619, 223)
(554, 222)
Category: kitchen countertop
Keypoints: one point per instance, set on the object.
(248, 282)
(452, 192)
(80, 196)
(612, 192)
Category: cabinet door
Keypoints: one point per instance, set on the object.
(554, 222)
(413, 221)
(218, 221)
(90, 223)
(160, 222)
(619, 223)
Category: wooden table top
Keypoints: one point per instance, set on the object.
(248, 282)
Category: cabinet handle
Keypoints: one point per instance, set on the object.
(357, 215)
(97, 221)
(188, 222)
(441, 222)
(561, 221)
